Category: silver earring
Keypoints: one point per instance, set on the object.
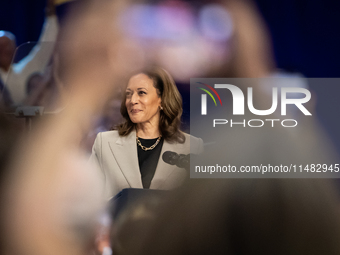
(161, 108)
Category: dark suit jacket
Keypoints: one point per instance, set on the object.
(117, 158)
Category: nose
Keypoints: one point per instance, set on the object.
(134, 98)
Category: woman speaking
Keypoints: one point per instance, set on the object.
(131, 157)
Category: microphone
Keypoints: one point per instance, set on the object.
(180, 160)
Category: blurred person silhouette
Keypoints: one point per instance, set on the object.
(244, 216)
(14, 75)
(250, 51)
(52, 195)
(122, 229)
(250, 57)
(129, 228)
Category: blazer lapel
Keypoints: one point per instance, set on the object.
(124, 149)
(163, 170)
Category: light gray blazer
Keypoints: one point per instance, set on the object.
(116, 156)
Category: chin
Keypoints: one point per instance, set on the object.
(134, 120)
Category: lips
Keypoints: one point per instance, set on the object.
(135, 111)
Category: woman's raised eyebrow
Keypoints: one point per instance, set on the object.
(141, 88)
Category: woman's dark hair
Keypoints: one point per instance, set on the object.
(170, 116)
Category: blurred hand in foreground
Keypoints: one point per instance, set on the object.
(54, 196)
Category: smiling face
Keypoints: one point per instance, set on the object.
(142, 100)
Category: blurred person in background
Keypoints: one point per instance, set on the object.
(245, 216)
(123, 228)
(248, 54)
(15, 75)
(129, 228)
(52, 197)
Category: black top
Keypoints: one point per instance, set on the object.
(148, 160)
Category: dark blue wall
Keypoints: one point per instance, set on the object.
(306, 39)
